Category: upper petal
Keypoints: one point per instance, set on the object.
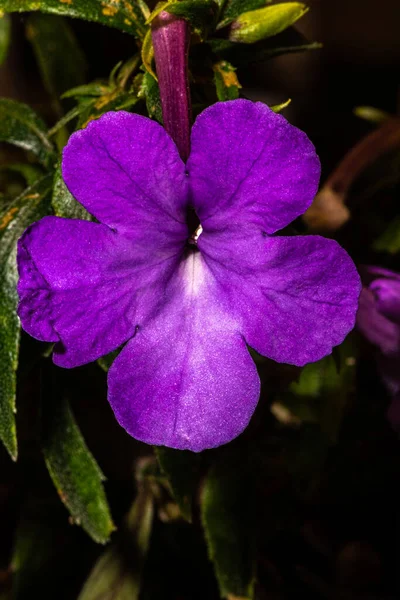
(86, 287)
(126, 171)
(249, 164)
(186, 380)
(296, 297)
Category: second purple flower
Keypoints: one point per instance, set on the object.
(186, 311)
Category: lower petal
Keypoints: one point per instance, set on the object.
(186, 380)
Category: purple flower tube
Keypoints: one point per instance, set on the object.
(171, 46)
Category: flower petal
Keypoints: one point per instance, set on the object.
(186, 380)
(126, 171)
(296, 297)
(86, 287)
(375, 326)
(249, 164)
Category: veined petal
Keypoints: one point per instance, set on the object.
(295, 297)
(85, 287)
(186, 380)
(249, 165)
(126, 171)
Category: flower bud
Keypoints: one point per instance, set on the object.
(257, 25)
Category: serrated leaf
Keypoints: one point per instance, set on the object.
(121, 14)
(5, 35)
(61, 62)
(30, 206)
(201, 14)
(150, 91)
(75, 473)
(234, 8)
(118, 572)
(226, 82)
(228, 517)
(64, 204)
(20, 126)
(181, 468)
(265, 22)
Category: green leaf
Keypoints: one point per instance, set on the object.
(150, 91)
(265, 22)
(74, 472)
(322, 391)
(97, 88)
(278, 107)
(30, 173)
(372, 114)
(234, 8)
(5, 36)
(148, 54)
(159, 8)
(117, 574)
(228, 517)
(20, 126)
(241, 55)
(125, 15)
(83, 106)
(201, 14)
(61, 62)
(64, 204)
(226, 82)
(389, 241)
(34, 545)
(30, 206)
(181, 468)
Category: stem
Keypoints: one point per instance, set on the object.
(170, 36)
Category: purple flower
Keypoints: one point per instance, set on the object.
(187, 312)
(378, 318)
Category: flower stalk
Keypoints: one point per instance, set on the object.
(171, 36)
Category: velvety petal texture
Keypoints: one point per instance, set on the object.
(187, 379)
(83, 286)
(187, 308)
(249, 165)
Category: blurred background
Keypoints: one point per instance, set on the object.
(327, 501)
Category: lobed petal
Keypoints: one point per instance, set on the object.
(126, 171)
(249, 165)
(295, 297)
(186, 380)
(85, 287)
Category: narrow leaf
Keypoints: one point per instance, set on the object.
(5, 35)
(118, 572)
(148, 54)
(226, 82)
(121, 14)
(278, 107)
(227, 512)
(74, 472)
(64, 204)
(30, 206)
(89, 89)
(20, 126)
(182, 471)
(150, 91)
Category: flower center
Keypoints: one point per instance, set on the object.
(194, 226)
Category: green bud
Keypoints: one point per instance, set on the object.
(257, 25)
